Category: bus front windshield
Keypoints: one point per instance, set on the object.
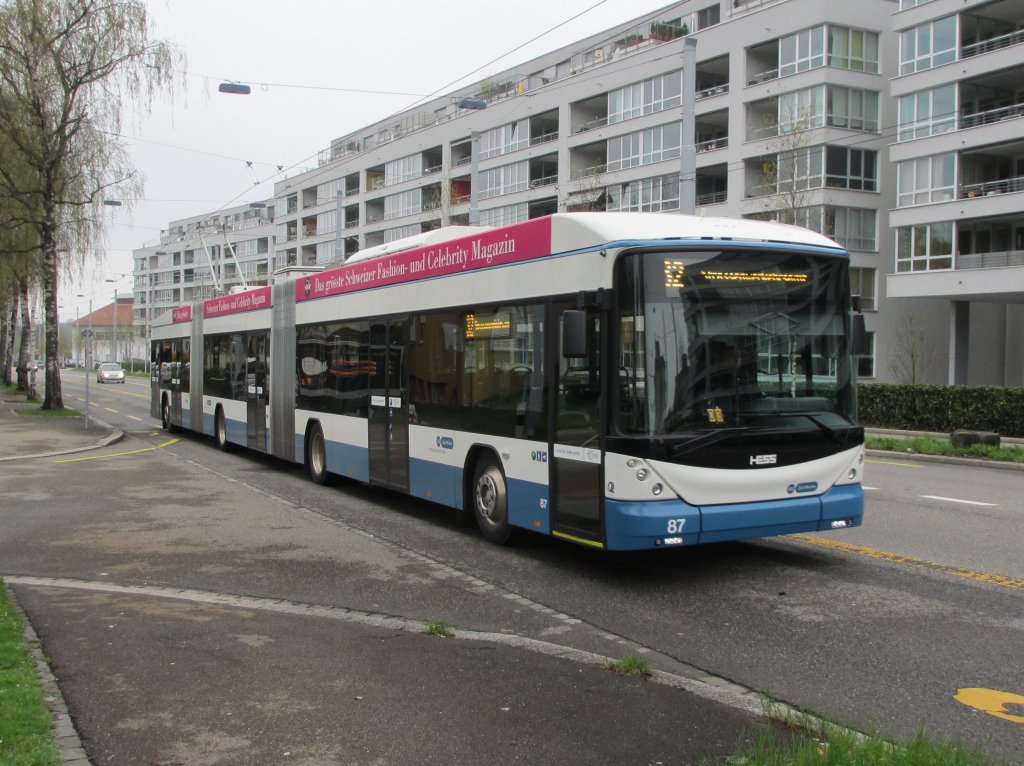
(728, 339)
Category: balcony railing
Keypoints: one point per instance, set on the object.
(593, 170)
(712, 198)
(597, 122)
(992, 115)
(990, 260)
(544, 138)
(715, 90)
(714, 143)
(771, 74)
(544, 181)
(992, 44)
(988, 188)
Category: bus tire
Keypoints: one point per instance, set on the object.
(316, 456)
(220, 431)
(165, 416)
(489, 500)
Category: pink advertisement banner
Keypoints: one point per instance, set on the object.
(181, 314)
(251, 300)
(509, 244)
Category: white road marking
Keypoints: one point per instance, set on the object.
(958, 500)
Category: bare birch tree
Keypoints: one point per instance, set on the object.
(68, 70)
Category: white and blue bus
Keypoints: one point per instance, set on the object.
(619, 380)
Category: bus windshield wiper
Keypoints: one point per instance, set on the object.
(703, 440)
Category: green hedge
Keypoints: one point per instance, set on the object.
(942, 408)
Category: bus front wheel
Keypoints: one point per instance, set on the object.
(220, 432)
(490, 501)
(316, 461)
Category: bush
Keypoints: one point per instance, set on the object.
(942, 409)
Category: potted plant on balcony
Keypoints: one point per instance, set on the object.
(664, 31)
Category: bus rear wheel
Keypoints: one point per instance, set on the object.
(165, 417)
(316, 459)
(220, 432)
(489, 499)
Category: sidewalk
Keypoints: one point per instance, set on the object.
(159, 672)
(23, 436)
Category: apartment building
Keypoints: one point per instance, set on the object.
(879, 123)
(206, 255)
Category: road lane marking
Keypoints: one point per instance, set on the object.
(958, 500)
(119, 454)
(896, 558)
(894, 462)
(991, 701)
(110, 410)
(134, 418)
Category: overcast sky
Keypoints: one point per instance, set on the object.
(212, 148)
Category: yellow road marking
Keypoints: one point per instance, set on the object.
(893, 462)
(135, 418)
(896, 558)
(118, 454)
(991, 701)
(110, 410)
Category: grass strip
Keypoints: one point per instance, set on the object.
(26, 730)
(926, 445)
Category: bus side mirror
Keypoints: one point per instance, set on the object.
(860, 336)
(574, 334)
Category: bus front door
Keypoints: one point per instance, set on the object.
(256, 380)
(576, 497)
(389, 409)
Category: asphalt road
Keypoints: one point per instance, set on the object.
(926, 599)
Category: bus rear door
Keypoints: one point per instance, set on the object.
(389, 408)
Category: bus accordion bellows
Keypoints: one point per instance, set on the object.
(623, 381)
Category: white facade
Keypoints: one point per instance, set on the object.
(202, 256)
(803, 112)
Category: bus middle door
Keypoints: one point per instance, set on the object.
(256, 380)
(576, 476)
(389, 408)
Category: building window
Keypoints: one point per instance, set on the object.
(847, 168)
(505, 139)
(708, 17)
(647, 195)
(928, 45)
(852, 49)
(404, 169)
(647, 97)
(862, 283)
(852, 108)
(401, 232)
(802, 109)
(926, 179)
(927, 113)
(403, 203)
(866, 362)
(505, 180)
(802, 51)
(644, 147)
(503, 216)
(928, 247)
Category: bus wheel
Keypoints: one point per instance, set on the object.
(316, 460)
(165, 416)
(220, 432)
(490, 501)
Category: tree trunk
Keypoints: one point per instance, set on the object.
(7, 335)
(26, 337)
(53, 398)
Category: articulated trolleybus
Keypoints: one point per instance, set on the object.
(619, 380)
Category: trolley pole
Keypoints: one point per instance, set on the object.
(688, 153)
